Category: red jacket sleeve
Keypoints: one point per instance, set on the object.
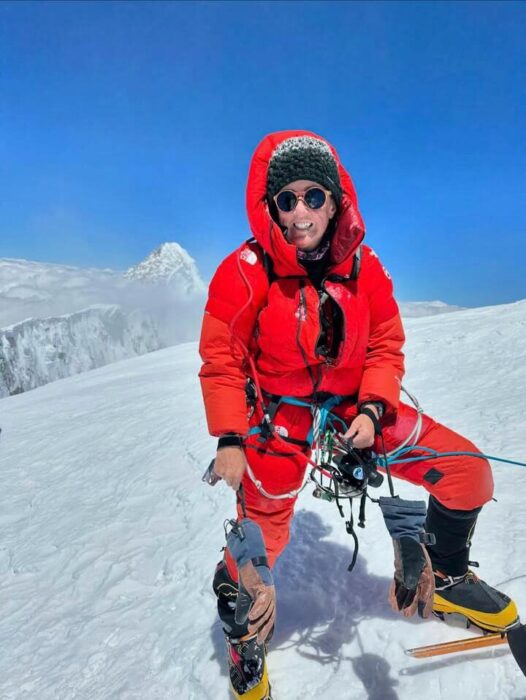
(384, 363)
(236, 294)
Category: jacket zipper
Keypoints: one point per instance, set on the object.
(329, 362)
(302, 314)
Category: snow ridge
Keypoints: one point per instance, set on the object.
(37, 351)
(415, 309)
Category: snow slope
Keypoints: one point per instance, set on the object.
(109, 538)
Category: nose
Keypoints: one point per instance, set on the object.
(301, 206)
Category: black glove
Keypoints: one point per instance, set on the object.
(413, 587)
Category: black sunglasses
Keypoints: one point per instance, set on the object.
(314, 198)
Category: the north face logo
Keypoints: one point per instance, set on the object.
(248, 256)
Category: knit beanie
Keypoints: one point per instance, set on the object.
(303, 158)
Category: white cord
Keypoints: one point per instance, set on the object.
(414, 435)
(274, 496)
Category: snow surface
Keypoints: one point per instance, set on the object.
(109, 538)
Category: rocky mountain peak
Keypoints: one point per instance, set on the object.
(168, 264)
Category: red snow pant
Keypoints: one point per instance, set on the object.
(458, 482)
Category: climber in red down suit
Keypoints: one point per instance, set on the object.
(307, 307)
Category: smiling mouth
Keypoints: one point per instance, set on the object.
(303, 226)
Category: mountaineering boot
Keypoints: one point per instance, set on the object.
(246, 658)
(248, 669)
(475, 600)
(458, 591)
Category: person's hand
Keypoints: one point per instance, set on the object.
(361, 430)
(230, 465)
(413, 587)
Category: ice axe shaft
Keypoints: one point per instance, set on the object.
(458, 645)
(515, 637)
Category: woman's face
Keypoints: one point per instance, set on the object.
(304, 227)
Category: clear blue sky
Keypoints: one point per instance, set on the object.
(123, 125)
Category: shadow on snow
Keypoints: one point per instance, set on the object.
(320, 606)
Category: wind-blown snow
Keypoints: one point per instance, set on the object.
(109, 538)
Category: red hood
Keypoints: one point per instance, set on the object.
(350, 228)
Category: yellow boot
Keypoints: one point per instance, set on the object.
(475, 600)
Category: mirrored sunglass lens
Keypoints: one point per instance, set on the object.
(286, 200)
(315, 198)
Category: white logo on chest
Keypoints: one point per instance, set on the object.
(248, 256)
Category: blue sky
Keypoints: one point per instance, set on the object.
(123, 125)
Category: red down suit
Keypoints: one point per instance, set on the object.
(276, 319)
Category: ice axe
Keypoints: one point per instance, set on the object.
(516, 638)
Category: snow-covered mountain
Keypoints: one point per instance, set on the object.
(54, 320)
(415, 309)
(169, 264)
(109, 538)
(31, 289)
(37, 351)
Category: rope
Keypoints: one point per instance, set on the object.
(273, 496)
(321, 416)
(414, 435)
(434, 454)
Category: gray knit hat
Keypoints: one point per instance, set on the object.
(303, 158)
